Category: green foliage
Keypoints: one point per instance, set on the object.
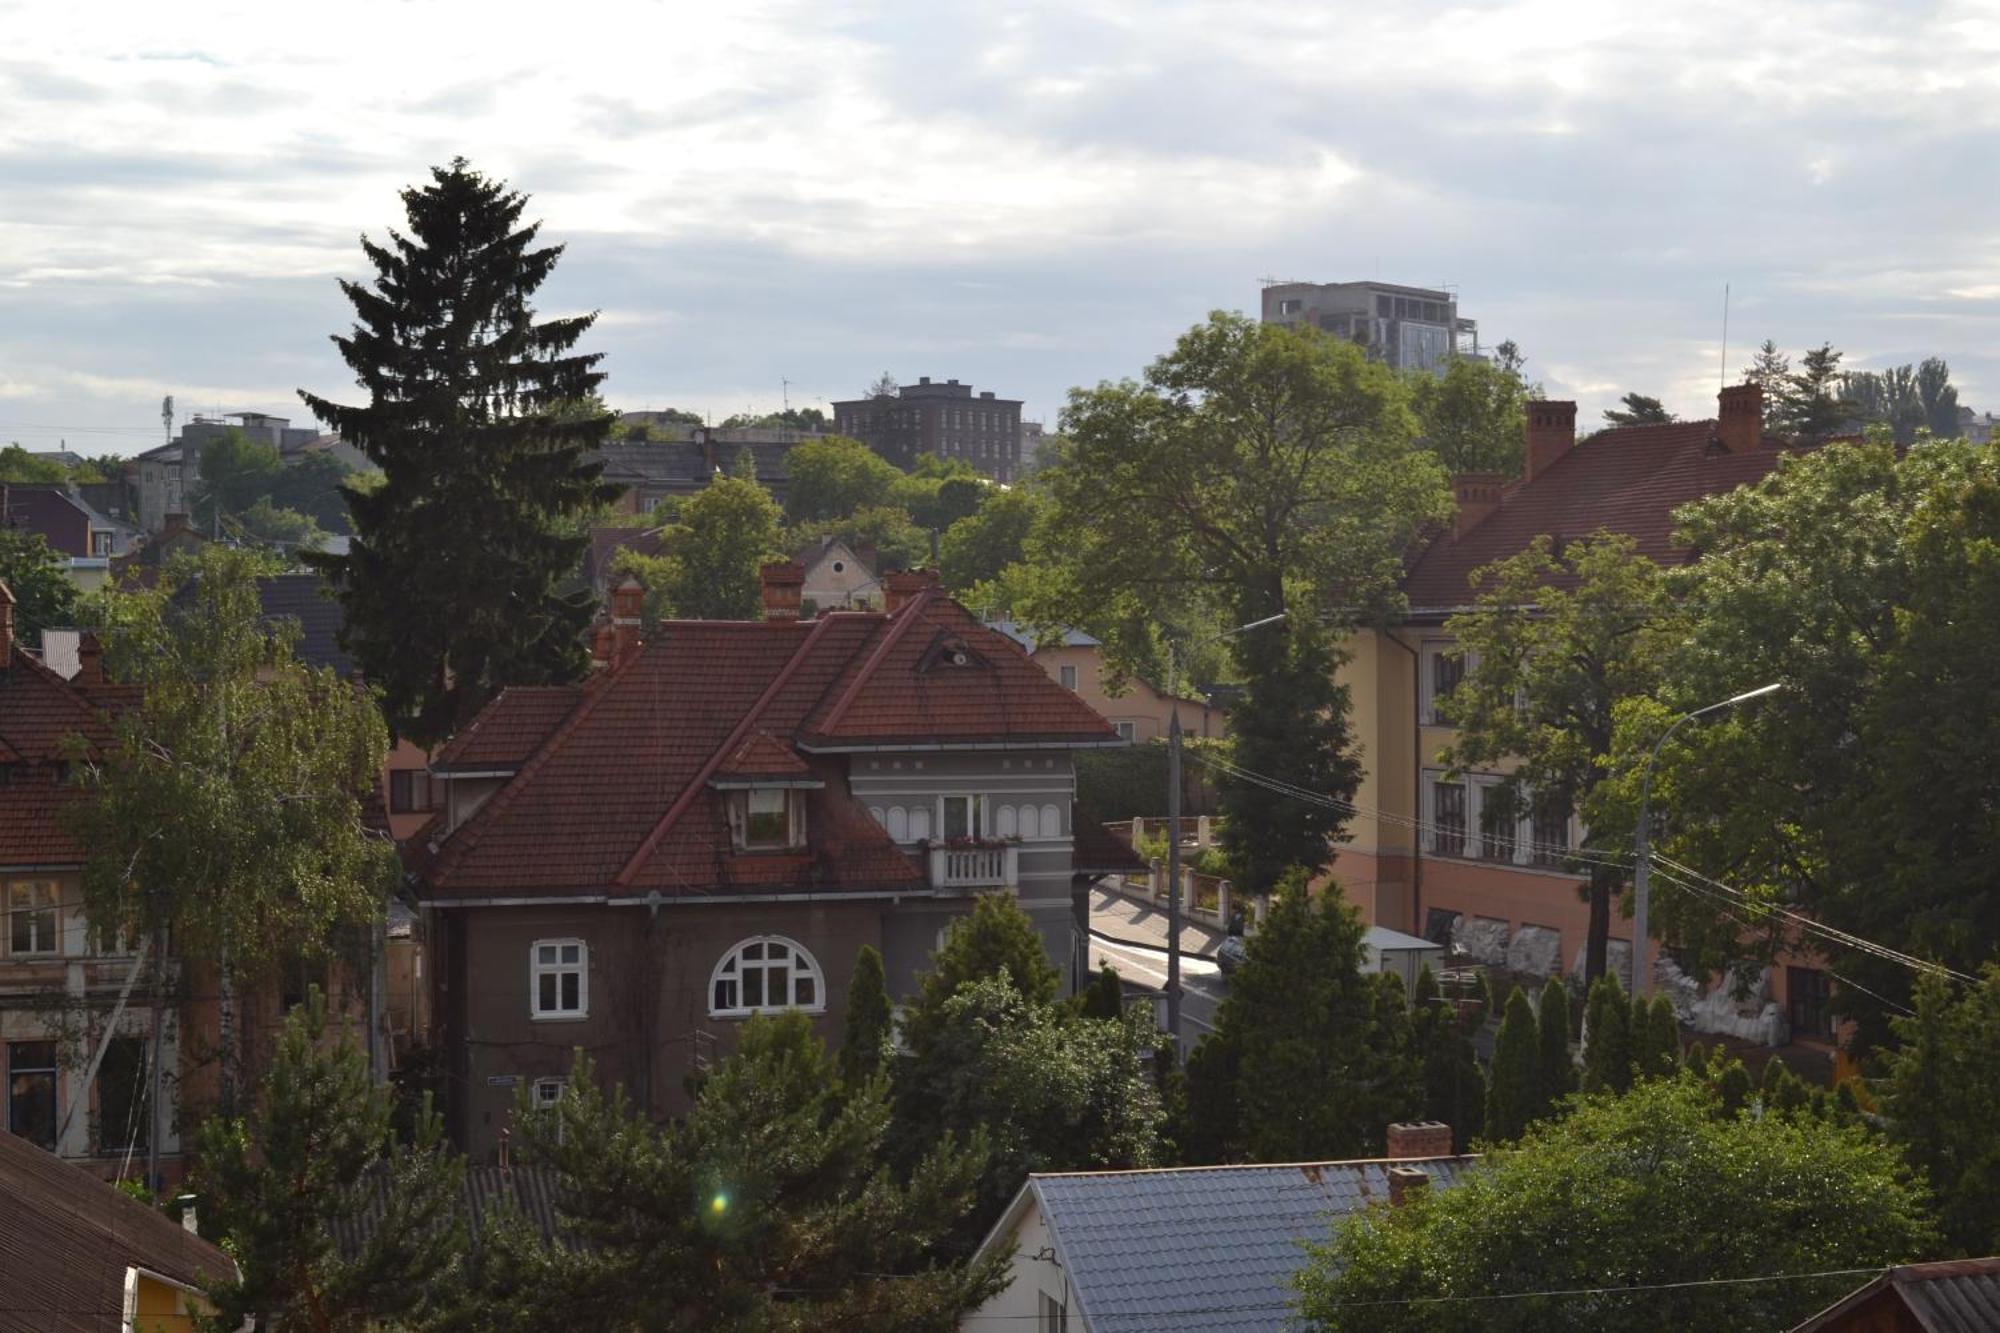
(870, 1019)
(1661, 1189)
(1104, 997)
(1132, 780)
(20, 466)
(719, 540)
(232, 798)
(456, 582)
(1553, 1062)
(768, 1208)
(1607, 1037)
(938, 493)
(1770, 369)
(996, 936)
(265, 522)
(1311, 1058)
(1869, 584)
(1655, 1037)
(1454, 1084)
(1557, 644)
(1515, 1097)
(1943, 1083)
(235, 472)
(898, 543)
(1813, 404)
(1473, 416)
(979, 546)
(319, 1157)
(831, 478)
(1639, 410)
(44, 596)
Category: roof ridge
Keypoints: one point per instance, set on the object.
(903, 619)
(455, 848)
(736, 737)
(1255, 1166)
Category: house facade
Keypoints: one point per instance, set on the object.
(1140, 711)
(85, 539)
(1425, 857)
(715, 823)
(840, 578)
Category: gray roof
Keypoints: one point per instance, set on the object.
(1207, 1248)
(304, 599)
(1023, 635)
(1955, 1296)
(528, 1191)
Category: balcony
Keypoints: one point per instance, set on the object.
(973, 867)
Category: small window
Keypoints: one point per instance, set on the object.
(122, 1122)
(840, 566)
(409, 791)
(100, 542)
(763, 974)
(547, 1093)
(1448, 818)
(559, 979)
(767, 818)
(31, 917)
(961, 817)
(1126, 730)
(1444, 672)
(1069, 678)
(1052, 1316)
(1810, 1000)
(31, 1092)
(1550, 833)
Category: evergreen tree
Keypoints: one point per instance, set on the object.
(454, 584)
(1104, 997)
(997, 936)
(1514, 1098)
(1552, 1059)
(768, 1208)
(1770, 370)
(1454, 1084)
(1639, 410)
(1944, 1081)
(1656, 1037)
(317, 1160)
(1607, 1049)
(870, 1017)
(1813, 404)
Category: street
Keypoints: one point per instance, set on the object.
(1137, 948)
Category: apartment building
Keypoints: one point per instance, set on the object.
(1408, 328)
(948, 420)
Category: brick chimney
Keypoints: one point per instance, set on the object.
(628, 604)
(1418, 1139)
(603, 645)
(784, 584)
(90, 660)
(6, 626)
(1406, 1183)
(902, 587)
(1478, 494)
(1740, 417)
(1551, 434)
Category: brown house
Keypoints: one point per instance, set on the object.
(718, 820)
(1956, 1296)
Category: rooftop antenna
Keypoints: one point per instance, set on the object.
(1722, 369)
(786, 387)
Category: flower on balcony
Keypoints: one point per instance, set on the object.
(964, 843)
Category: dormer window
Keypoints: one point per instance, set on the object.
(767, 819)
(949, 652)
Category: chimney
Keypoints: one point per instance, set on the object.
(1478, 494)
(1419, 1139)
(603, 646)
(706, 439)
(784, 589)
(90, 659)
(1740, 417)
(901, 588)
(628, 603)
(1406, 1183)
(1551, 434)
(6, 625)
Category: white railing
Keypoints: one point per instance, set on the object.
(972, 867)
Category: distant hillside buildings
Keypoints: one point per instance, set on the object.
(946, 419)
(1409, 328)
(168, 472)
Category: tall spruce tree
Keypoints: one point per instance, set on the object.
(1514, 1098)
(1454, 1084)
(1607, 1037)
(1553, 1062)
(870, 1016)
(481, 420)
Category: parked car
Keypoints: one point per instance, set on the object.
(1229, 954)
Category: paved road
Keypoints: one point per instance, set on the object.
(1137, 948)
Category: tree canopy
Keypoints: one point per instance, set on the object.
(1638, 410)
(44, 596)
(1472, 416)
(456, 582)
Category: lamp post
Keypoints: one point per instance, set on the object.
(1174, 819)
(1642, 973)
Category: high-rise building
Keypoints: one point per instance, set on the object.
(1410, 328)
(946, 419)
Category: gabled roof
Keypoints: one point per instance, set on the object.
(1628, 480)
(66, 1239)
(305, 600)
(1955, 1296)
(1023, 635)
(39, 712)
(1209, 1248)
(612, 795)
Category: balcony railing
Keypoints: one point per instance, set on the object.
(973, 867)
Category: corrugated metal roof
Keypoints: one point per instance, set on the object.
(1204, 1248)
(488, 1190)
(1956, 1296)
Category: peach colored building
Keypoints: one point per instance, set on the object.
(1422, 858)
(1141, 710)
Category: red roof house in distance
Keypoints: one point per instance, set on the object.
(1423, 858)
(715, 822)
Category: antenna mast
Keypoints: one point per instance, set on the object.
(167, 416)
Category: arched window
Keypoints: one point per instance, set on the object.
(1030, 826)
(899, 824)
(763, 974)
(1003, 821)
(1051, 822)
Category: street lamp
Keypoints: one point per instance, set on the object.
(1642, 972)
(1174, 819)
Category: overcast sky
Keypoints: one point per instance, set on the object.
(1024, 196)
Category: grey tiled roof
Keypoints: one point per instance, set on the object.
(1204, 1248)
(304, 600)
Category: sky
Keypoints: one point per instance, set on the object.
(772, 201)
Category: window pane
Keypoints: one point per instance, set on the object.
(572, 953)
(546, 1000)
(779, 987)
(725, 993)
(805, 992)
(1449, 802)
(753, 952)
(779, 952)
(31, 1092)
(572, 990)
(753, 987)
(546, 954)
(122, 1121)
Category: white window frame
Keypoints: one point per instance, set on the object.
(49, 910)
(799, 954)
(537, 969)
(1068, 676)
(547, 1093)
(1428, 653)
(1127, 731)
(976, 816)
(1432, 777)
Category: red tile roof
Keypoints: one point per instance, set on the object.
(509, 729)
(763, 756)
(1628, 480)
(39, 713)
(66, 1240)
(614, 797)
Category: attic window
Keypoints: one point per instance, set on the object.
(767, 819)
(840, 566)
(950, 653)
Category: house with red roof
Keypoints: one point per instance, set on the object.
(1422, 857)
(716, 821)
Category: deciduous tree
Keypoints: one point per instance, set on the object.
(455, 582)
(1472, 416)
(44, 596)
(1944, 1080)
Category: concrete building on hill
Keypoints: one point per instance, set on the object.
(1408, 328)
(948, 420)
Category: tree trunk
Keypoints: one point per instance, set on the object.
(1599, 941)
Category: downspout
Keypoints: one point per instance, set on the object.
(1416, 781)
(652, 972)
